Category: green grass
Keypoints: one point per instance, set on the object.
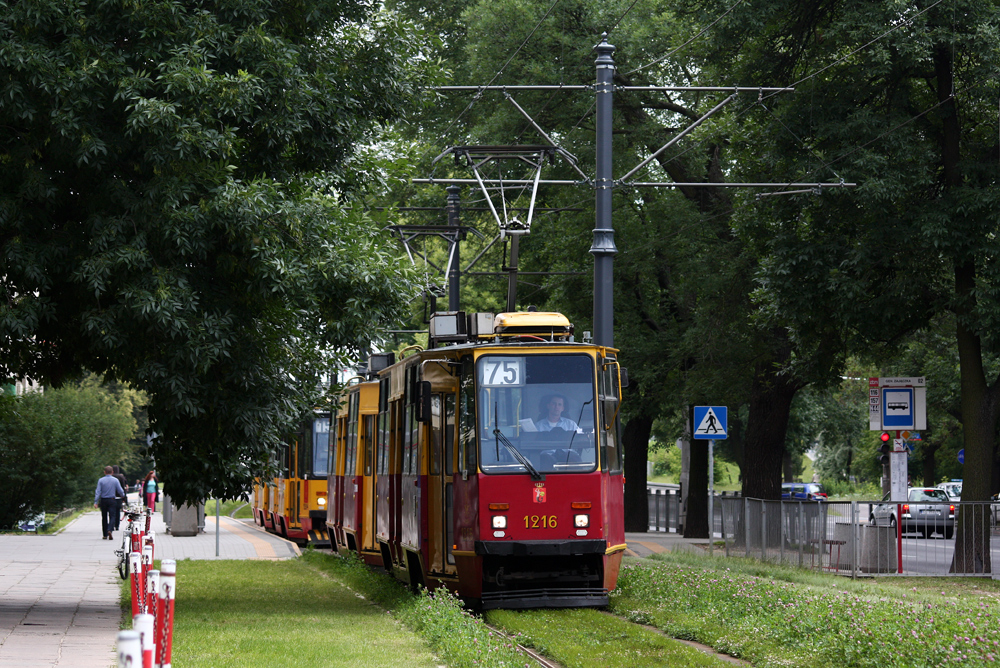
(584, 638)
(461, 639)
(774, 616)
(242, 508)
(51, 527)
(282, 613)
(320, 610)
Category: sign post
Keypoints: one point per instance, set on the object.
(712, 425)
(898, 404)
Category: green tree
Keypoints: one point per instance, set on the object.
(54, 445)
(175, 187)
(899, 98)
(685, 321)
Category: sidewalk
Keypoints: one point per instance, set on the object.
(59, 594)
(646, 544)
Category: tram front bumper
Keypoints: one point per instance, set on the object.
(539, 548)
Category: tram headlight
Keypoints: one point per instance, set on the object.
(499, 521)
(581, 521)
(321, 501)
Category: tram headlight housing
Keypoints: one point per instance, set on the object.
(581, 521)
(499, 521)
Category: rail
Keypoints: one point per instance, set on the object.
(866, 538)
(853, 538)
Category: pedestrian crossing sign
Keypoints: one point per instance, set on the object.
(711, 422)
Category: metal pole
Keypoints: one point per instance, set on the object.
(604, 235)
(711, 495)
(217, 522)
(512, 274)
(455, 267)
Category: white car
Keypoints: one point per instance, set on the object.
(953, 489)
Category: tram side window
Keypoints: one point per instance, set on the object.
(299, 443)
(350, 465)
(334, 439)
(437, 429)
(382, 458)
(321, 447)
(285, 453)
(407, 438)
(468, 447)
(608, 389)
(369, 440)
(449, 434)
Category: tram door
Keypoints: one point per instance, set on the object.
(369, 517)
(441, 467)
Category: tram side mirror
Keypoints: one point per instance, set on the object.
(424, 401)
(624, 377)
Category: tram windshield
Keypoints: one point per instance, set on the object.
(537, 409)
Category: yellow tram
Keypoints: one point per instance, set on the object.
(293, 504)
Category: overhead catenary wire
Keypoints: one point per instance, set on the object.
(703, 31)
(903, 23)
(503, 67)
(620, 18)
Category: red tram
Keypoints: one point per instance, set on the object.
(490, 464)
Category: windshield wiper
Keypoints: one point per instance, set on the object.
(522, 460)
(535, 475)
(569, 450)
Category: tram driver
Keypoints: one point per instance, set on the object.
(552, 418)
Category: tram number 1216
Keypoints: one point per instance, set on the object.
(540, 522)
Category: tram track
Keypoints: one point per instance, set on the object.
(541, 660)
(545, 662)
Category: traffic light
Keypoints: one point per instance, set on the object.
(884, 448)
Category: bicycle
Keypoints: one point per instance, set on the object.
(133, 513)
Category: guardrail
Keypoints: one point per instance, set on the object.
(664, 503)
(865, 538)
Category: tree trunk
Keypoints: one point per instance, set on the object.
(930, 463)
(979, 423)
(771, 394)
(696, 521)
(788, 468)
(635, 440)
(979, 401)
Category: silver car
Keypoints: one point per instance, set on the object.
(927, 512)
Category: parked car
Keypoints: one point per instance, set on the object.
(32, 523)
(807, 491)
(928, 511)
(952, 488)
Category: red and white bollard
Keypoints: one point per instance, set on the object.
(136, 537)
(147, 565)
(150, 539)
(165, 612)
(144, 625)
(138, 583)
(129, 649)
(152, 590)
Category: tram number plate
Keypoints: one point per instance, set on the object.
(502, 371)
(540, 522)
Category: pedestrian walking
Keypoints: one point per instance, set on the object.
(117, 473)
(151, 490)
(108, 488)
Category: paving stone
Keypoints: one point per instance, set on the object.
(59, 594)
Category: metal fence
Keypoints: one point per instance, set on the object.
(862, 538)
(850, 538)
